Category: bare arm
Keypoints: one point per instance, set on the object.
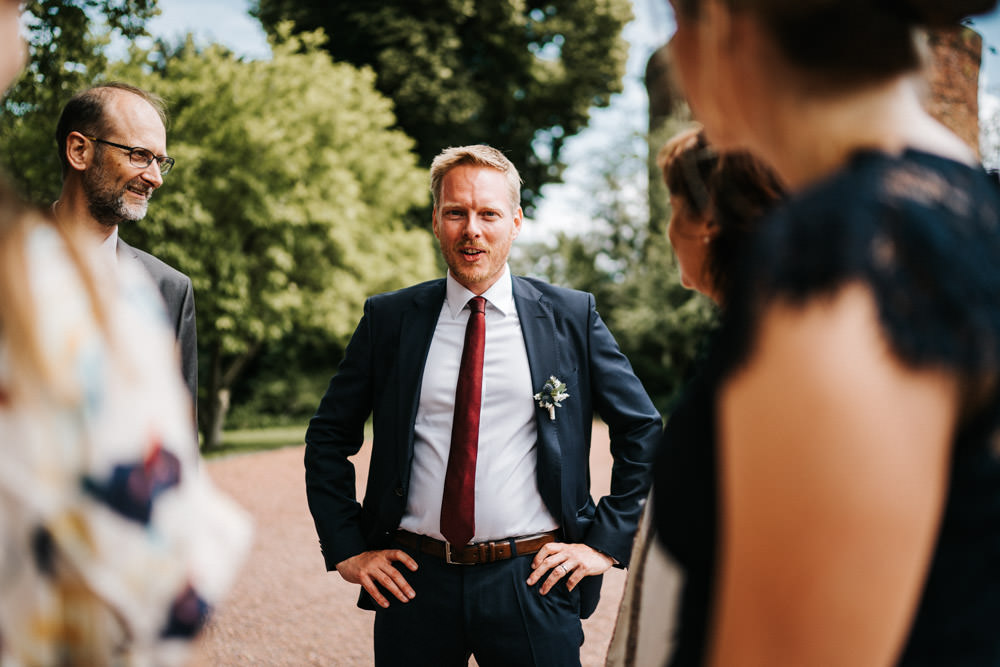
(833, 468)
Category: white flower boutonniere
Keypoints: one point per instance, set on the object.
(552, 395)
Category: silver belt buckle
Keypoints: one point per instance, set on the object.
(447, 556)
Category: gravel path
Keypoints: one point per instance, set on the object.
(286, 610)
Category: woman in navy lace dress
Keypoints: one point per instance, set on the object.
(830, 485)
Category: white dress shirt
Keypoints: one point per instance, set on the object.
(109, 248)
(105, 253)
(508, 503)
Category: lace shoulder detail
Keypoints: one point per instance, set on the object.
(921, 231)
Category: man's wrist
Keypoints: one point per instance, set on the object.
(614, 561)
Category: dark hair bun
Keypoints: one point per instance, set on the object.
(942, 13)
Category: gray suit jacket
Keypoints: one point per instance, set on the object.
(178, 295)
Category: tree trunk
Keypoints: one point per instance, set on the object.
(213, 430)
(212, 413)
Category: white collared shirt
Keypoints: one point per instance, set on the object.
(104, 253)
(109, 248)
(508, 503)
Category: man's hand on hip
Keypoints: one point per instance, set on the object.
(574, 561)
(372, 569)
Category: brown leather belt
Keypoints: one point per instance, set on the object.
(475, 554)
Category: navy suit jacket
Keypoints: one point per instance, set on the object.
(381, 376)
(178, 295)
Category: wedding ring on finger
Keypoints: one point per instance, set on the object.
(563, 568)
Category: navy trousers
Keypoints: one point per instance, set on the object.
(483, 610)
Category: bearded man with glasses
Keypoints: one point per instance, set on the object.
(112, 145)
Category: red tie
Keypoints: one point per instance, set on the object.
(458, 505)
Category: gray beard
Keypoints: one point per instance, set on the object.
(111, 211)
(107, 206)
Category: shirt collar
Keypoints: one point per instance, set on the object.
(500, 295)
(109, 246)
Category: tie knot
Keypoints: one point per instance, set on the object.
(477, 304)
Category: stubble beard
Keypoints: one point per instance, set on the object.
(470, 275)
(473, 275)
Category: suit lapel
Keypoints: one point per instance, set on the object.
(125, 250)
(416, 330)
(538, 326)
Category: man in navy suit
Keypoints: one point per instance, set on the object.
(515, 592)
(112, 145)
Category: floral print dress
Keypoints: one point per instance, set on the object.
(114, 545)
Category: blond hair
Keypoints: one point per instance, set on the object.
(477, 155)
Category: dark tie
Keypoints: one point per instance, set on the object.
(458, 505)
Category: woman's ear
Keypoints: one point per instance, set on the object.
(706, 228)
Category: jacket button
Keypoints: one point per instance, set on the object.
(399, 491)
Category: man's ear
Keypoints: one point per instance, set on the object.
(79, 151)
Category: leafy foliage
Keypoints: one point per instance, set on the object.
(65, 56)
(661, 326)
(989, 133)
(284, 204)
(520, 75)
(626, 261)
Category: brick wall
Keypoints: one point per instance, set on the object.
(953, 77)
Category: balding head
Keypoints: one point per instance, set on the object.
(90, 112)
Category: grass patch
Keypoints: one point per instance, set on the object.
(245, 441)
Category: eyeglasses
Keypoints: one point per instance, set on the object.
(140, 157)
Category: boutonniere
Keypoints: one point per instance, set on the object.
(552, 395)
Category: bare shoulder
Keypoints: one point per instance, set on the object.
(824, 413)
(833, 454)
(833, 349)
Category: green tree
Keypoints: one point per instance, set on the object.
(661, 325)
(625, 260)
(66, 55)
(989, 133)
(520, 75)
(285, 201)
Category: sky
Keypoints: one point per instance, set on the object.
(223, 21)
(564, 206)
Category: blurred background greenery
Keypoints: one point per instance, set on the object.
(301, 180)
